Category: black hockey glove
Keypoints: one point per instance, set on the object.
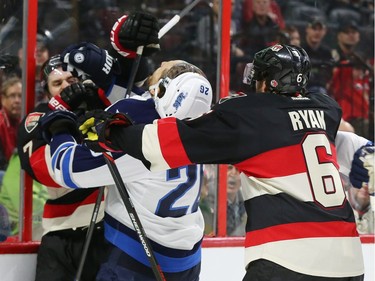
(94, 97)
(363, 167)
(69, 99)
(134, 30)
(58, 122)
(88, 61)
(79, 98)
(95, 127)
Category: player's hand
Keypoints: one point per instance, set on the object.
(134, 30)
(69, 99)
(362, 171)
(88, 61)
(94, 97)
(95, 127)
(58, 122)
(79, 98)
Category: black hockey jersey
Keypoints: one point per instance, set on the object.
(298, 215)
(66, 208)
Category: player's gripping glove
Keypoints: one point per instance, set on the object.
(58, 122)
(69, 99)
(86, 60)
(362, 171)
(94, 97)
(95, 127)
(134, 30)
(79, 97)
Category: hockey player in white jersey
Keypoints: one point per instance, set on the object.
(166, 202)
(355, 156)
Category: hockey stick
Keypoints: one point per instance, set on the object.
(171, 23)
(121, 187)
(90, 231)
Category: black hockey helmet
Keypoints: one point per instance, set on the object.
(51, 64)
(285, 68)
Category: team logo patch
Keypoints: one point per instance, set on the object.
(79, 57)
(276, 48)
(274, 83)
(32, 120)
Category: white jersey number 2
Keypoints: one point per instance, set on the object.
(324, 176)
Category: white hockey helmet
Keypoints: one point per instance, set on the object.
(189, 95)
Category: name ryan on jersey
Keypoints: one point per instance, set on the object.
(307, 119)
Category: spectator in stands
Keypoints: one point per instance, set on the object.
(274, 12)
(320, 55)
(208, 31)
(262, 30)
(236, 217)
(207, 36)
(290, 36)
(350, 82)
(10, 115)
(42, 54)
(208, 198)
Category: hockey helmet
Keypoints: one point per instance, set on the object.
(187, 96)
(285, 68)
(50, 65)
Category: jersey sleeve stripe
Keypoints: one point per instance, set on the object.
(170, 143)
(67, 167)
(40, 167)
(162, 146)
(51, 211)
(151, 149)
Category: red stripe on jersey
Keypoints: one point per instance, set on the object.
(299, 230)
(39, 166)
(283, 161)
(170, 143)
(63, 210)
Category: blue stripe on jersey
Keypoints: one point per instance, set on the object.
(59, 152)
(56, 153)
(135, 249)
(66, 167)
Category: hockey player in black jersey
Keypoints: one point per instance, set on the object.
(300, 225)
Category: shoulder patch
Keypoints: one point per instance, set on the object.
(32, 120)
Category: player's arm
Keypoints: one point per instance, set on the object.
(111, 69)
(169, 142)
(347, 144)
(75, 165)
(32, 149)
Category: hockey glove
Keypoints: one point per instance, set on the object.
(70, 98)
(95, 97)
(95, 127)
(362, 172)
(134, 30)
(58, 122)
(87, 60)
